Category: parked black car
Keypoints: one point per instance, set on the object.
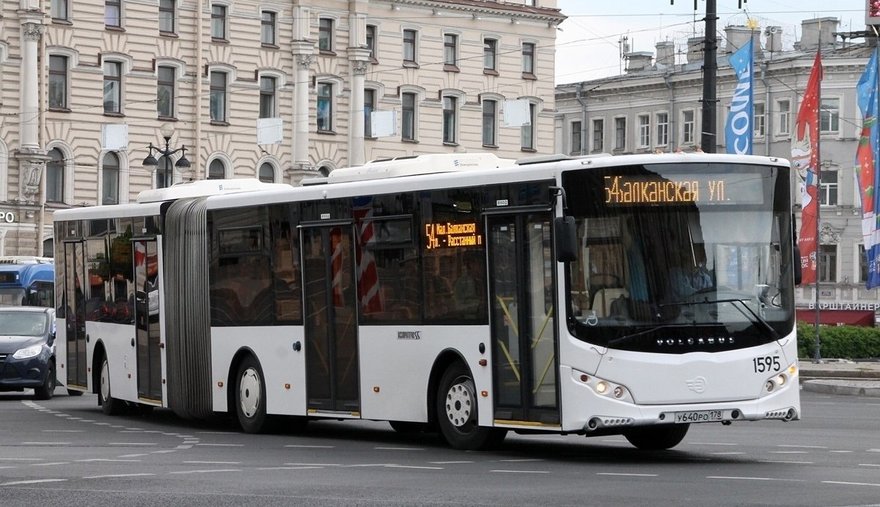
(27, 350)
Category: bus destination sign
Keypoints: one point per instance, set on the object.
(452, 235)
(694, 188)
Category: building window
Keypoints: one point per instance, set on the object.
(828, 263)
(450, 51)
(528, 59)
(369, 107)
(408, 116)
(58, 9)
(644, 131)
(829, 116)
(325, 107)
(490, 120)
(267, 28)
(598, 134)
(760, 127)
(267, 173)
(828, 187)
(217, 170)
(620, 134)
(55, 176)
(113, 13)
(218, 22)
(168, 16)
(165, 91)
(688, 127)
(267, 97)
(325, 35)
(450, 120)
(863, 265)
(409, 46)
(490, 53)
(662, 129)
(218, 96)
(113, 87)
(371, 41)
(57, 82)
(577, 133)
(783, 122)
(527, 132)
(110, 179)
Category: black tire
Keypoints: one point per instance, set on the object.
(407, 427)
(657, 438)
(71, 392)
(109, 404)
(47, 390)
(457, 412)
(250, 396)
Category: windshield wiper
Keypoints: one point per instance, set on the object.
(747, 313)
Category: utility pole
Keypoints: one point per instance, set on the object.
(709, 139)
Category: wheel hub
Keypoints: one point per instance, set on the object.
(460, 403)
(105, 381)
(249, 392)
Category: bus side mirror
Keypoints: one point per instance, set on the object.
(566, 239)
(797, 266)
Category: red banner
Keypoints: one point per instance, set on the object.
(805, 158)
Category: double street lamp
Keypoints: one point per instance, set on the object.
(165, 156)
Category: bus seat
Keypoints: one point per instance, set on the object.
(603, 299)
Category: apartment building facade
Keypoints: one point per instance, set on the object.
(656, 106)
(273, 90)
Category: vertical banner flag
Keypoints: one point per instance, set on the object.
(738, 130)
(805, 158)
(867, 161)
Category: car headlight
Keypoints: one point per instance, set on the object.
(27, 352)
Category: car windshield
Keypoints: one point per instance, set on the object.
(675, 256)
(23, 323)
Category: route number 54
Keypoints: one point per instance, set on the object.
(765, 364)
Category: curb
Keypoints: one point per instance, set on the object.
(846, 387)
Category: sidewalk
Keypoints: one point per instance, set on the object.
(840, 376)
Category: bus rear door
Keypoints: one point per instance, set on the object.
(523, 314)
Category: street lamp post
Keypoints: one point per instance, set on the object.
(165, 154)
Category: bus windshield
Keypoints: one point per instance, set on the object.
(680, 258)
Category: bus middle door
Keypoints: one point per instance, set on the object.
(332, 370)
(523, 317)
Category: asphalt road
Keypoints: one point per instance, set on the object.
(65, 451)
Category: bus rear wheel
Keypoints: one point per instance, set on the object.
(109, 405)
(657, 438)
(457, 412)
(250, 396)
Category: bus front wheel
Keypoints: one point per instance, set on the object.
(657, 438)
(250, 396)
(457, 412)
(109, 405)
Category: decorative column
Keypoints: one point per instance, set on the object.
(31, 158)
(302, 53)
(359, 62)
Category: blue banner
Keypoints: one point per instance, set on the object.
(868, 168)
(740, 123)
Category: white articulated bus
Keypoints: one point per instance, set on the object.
(463, 293)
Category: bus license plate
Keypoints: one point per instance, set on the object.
(698, 416)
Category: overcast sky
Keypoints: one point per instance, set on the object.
(588, 47)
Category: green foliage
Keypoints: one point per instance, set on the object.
(839, 342)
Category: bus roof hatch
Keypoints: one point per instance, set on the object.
(421, 164)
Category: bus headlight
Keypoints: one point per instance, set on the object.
(780, 379)
(602, 387)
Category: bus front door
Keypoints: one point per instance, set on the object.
(146, 311)
(75, 314)
(523, 314)
(331, 319)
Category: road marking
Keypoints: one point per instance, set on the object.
(519, 471)
(621, 474)
(221, 445)
(398, 449)
(316, 465)
(45, 443)
(844, 483)
(288, 468)
(107, 460)
(414, 467)
(134, 444)
(64, 431)
(212, 471)
(450, 462)
(297, 446)
(523, 460)
(803, 446)
(21, 459)
(165, 451)
(134, 455)
(788, 452)
(35, 481)
(212, 462)
(112, 476)
(841, 452)
(54, 463)
(735, 478)
(873, 450)
(786, 462)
